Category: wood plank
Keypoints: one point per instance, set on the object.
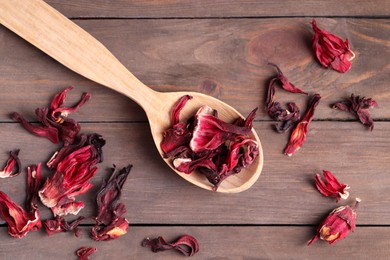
(215, 243)
(225, 58)
(220, 8)
(284, 193)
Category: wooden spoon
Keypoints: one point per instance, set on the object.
(57, 36)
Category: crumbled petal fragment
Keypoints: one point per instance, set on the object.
(19, 221)
(110, 223)
(337, 225)
(71, 177)
(298, 136)
(330, 186)
(186, 244)
(34, 181)
(59, 224)
(205, 143)
(358, 106)
(83, 253)
(13, 166)
(331, 51)
(54, 122)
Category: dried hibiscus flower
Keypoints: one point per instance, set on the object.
(110, 223)
(331, 187)
(359, 106)
(83, 253)
(287, 117)
(331, 51)
(12, 162)
(298, 136)
(337, 225)
(186, 244)
(55, 123)
(34, 181)
(59, 224)
(209, 145)
(71, 178)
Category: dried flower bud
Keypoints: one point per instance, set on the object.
(331, 51)
(298, 136)
(19, 221)
(359, 107)
(186, 244)
(83, 253)
(55, 124)
(72, 178)
(12, 162)
(337, 225)
(331, 187)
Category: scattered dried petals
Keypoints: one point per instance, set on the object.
(59, 224)
(337, 225)
(331, 51)
(186, 244)
(358, 106)
(12, 162)
(331, 187)
(298, 136)
(205, 143)
(84, 252)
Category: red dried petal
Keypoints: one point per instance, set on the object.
(337, 225)
(186, 244)
(331, 51)
(83, 253)
(178, 108)
(58, 112)
(19, 221)
(298, 136)
(331, 187)
(286, 84)
(12, 162)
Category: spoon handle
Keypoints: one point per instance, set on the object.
(63, 40)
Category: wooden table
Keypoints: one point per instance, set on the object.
(218, 48)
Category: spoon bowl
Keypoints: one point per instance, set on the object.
(63, 40)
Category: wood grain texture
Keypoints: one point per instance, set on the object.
(223, 58)
(284, 193)
(233, 242)
(219, 8)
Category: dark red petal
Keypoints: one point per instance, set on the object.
(83, 253)
(59, 224)
(109, 195)
(186, 244)
(112, 231)
(286, 84)
(49, 132)
(178, 108)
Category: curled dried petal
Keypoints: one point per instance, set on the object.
(12, 162)
(298, 136)
(331, 187)
(117, 228)
(34, 181)
(59, 224)
(83, 253)
(286, 84)
(186, 244)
